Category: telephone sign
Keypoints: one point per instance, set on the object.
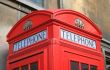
(77, 39)
(30, 40)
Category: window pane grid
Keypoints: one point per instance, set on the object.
(74, 65)
(32, 66)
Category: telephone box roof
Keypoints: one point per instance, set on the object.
(65, 16)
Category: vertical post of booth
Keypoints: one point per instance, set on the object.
(54, 48)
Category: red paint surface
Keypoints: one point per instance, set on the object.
(54, 53)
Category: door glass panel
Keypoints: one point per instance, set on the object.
(34, 66)
(84, 66)
(92, 67)
(74, 65)
(24, 67)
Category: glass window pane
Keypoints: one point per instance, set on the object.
(92, 67)
(38, 2)
(74, 65)
(24, 67)
(84, 66)
(34, 66)
(16, 69)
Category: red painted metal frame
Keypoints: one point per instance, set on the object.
(54, 53)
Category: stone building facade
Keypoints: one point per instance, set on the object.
(12, 10)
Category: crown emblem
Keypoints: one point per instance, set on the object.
(79, 23)
(27, 25)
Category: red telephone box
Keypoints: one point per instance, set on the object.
(55, 40)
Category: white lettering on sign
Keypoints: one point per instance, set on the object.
(78, 39)
(30, 40)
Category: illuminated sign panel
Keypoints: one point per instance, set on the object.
(30, 40)
(77, 39)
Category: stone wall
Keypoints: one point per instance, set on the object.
(7, 19)
(9, 15)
